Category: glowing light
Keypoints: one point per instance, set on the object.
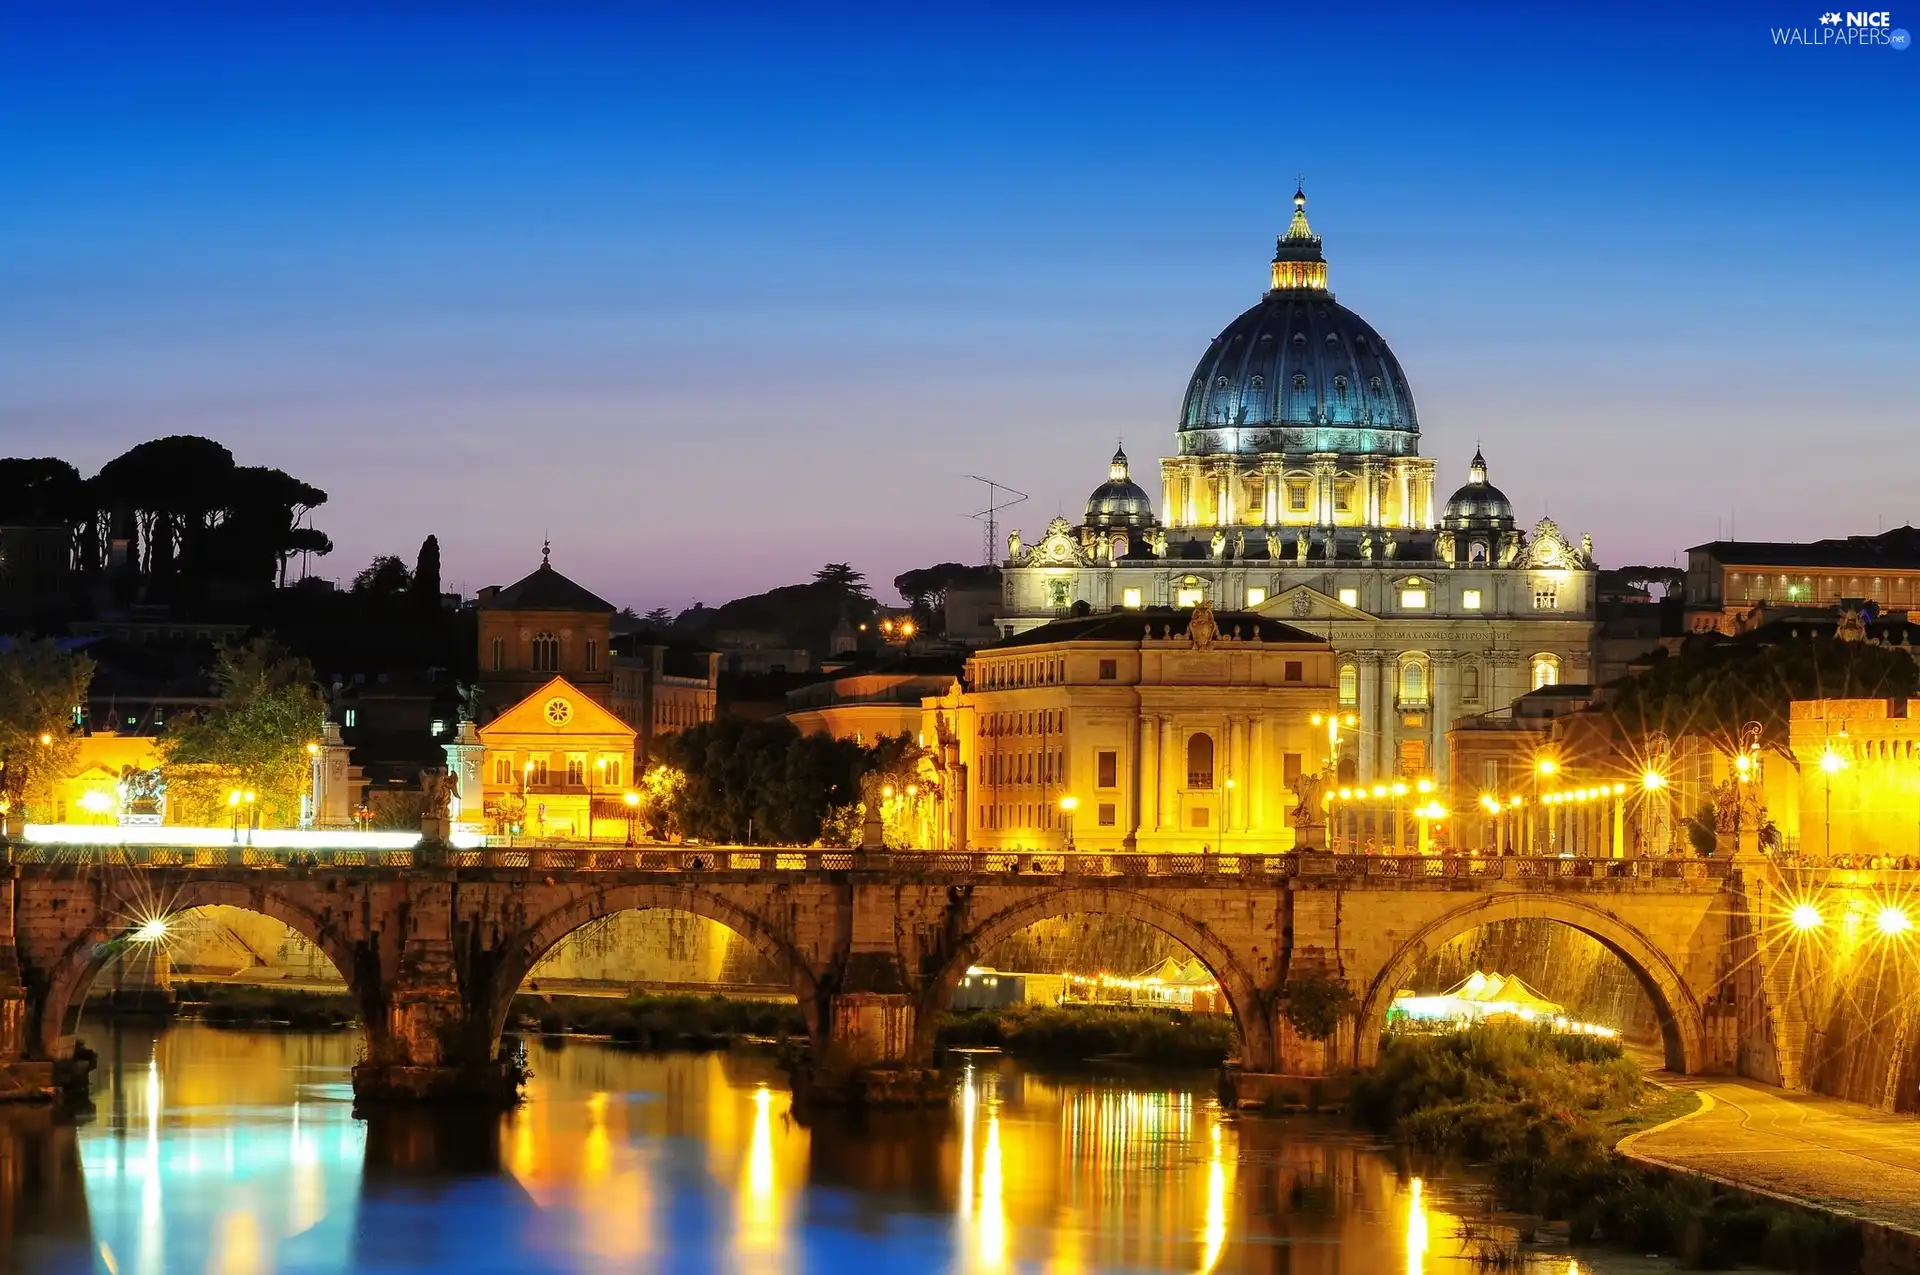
(1744, 764)
(1069, 804)
(1831, 762)
(1379, 790)
(631, 797)
(1546, 766)
(1893, 921)
(151, 930)
(313, 750)
(1652, 780)
(1416, 1229)
(96, 802)
(1215, 1236)
(1424, 786)
(45, 739)
(1805, 917)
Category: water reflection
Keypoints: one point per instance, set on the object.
(236, 1152)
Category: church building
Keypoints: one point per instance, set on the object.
(1297, 492)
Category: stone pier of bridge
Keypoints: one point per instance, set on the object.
(435, 942)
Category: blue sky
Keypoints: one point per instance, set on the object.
(711, 301)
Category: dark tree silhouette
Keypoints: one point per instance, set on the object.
(426, 578)
(842, 577)
(385, 579)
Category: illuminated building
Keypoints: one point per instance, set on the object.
(1729, 580)
(1136, 730)
(1858, 777)
(545, 763)
(544, 625)
(1298, 492)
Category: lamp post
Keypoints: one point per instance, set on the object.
(1543, 768)
(632, 799)
(1068, 805)
(1831, 764)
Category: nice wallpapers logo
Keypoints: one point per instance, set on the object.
(1865, 30)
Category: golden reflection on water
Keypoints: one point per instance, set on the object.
(214, 1151)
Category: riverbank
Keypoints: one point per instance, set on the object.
(1060, 1035)
(1543, 1113)
(659, 1022)
(234, 1005)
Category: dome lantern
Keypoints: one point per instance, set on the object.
(1119, 502)
(1298, 265)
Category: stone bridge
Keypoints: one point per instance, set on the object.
(434, 942)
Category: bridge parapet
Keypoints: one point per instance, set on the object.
(760, 862)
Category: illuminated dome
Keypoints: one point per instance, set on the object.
(1478, 506)
(1119, 502)
(1299, 372)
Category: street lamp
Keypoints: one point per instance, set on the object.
(1068, 805)
(632, 799)
(1543, 768)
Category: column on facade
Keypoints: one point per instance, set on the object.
(1369, 494)
(1190, 476)
(1146, 776)
(1323, 475)
(1366, 740)
(1172, 503)
(1385, 718)
(1226, 499)
(1171, 761)
(1257, 777)
(1442, 669)
(1270, 475)
(1405, 492)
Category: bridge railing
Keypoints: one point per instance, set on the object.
(765, 861)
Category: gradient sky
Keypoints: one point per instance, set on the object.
(711, 300)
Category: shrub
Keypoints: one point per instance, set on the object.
(1315, 1003)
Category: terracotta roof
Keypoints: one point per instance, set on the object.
(545, 590)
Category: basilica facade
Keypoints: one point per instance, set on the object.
(1298, 492)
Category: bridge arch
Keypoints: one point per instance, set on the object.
(80, 962)
(1682, 1024)
(1250, 1008)
(526, 949)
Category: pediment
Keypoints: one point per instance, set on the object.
(1290, 606)
(538, 714)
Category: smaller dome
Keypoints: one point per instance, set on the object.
(1478, 506)
(1119, 502)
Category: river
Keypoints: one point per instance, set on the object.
(232, 1152)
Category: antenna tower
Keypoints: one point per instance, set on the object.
(999, 496)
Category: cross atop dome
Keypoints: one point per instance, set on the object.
(1117, 472)
(1477, 470)
(1297, 261)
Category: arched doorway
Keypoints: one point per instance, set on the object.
(152, 925)
(1677, 1013)
(1236, 988)
(546, 935)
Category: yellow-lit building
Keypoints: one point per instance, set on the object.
(1149, 730)
(549, 760)
(1859, 777)
(92, 791)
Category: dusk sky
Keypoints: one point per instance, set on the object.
(710, 301)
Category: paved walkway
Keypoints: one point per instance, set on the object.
(1821, 1151)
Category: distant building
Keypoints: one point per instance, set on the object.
(1298, 491)
(545, 625)
(1729, 579)
(555, 765)
(869, 704)
(1166, 730)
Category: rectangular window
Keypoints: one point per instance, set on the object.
(1189, 597)
(1107, 770)
(1200, 816)
(1342, 497)
(1109, 670)
(576, 770)
(503, 770)
(1490, 774)
(1296, 670)
(353, 716)
(593, 656)
(1255, 596)
(1107, 814)
(1130, 598)
(1546, 599)
(535, 770)
(1413, 599)
(1349, 597)
(1290, 768)
(499, 654)
(1297, 498)
(1470, 600)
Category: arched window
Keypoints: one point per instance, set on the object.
(1349, 684)
(1413, 682)
(1199, 761)
(1546, 670)
(1299, 382)
(546, 653)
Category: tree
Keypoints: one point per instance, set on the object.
(658, 618)
(925, 588)
(40, 687)
(842, 578)
(426, 579)
(762, 779)
(1713, 688)
(1670, 579)
(253, 739)
(385, 579)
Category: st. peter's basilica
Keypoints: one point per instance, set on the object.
(1298, 492)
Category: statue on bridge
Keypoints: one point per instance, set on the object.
(1306, 815)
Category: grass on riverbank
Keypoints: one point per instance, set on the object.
(246, 1005)
(1543, 1111)
(659, 1022)
(1071, 1034)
